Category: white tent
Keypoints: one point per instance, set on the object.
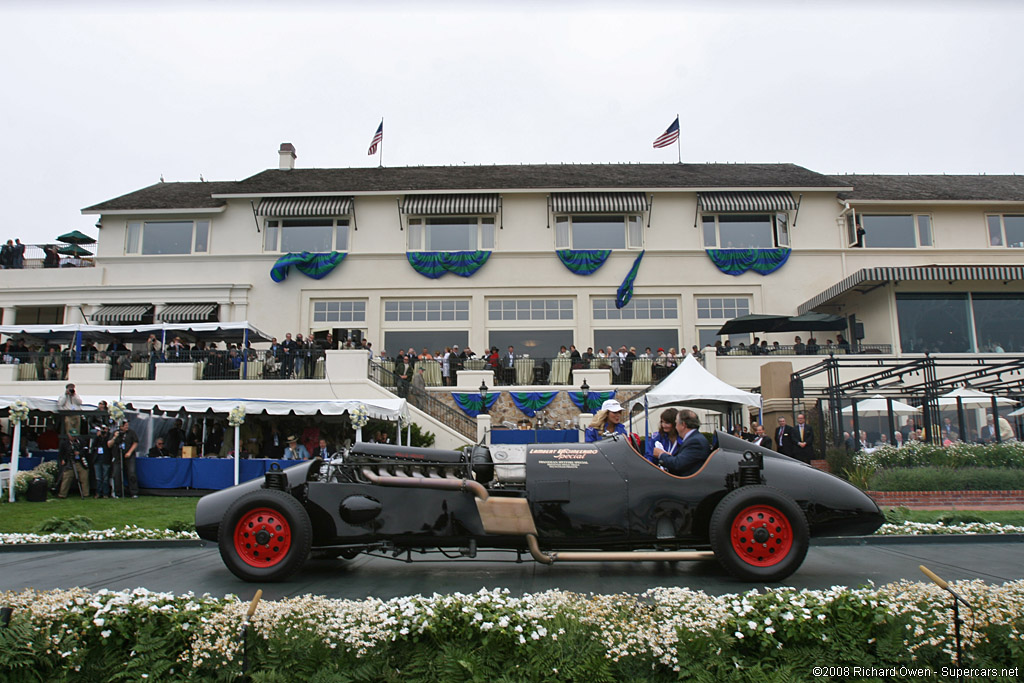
(877, 405)
(972, 398)
(691, 385)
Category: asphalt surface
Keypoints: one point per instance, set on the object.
(180, 568)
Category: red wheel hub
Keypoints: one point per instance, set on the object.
(761, 535)
(262, 537)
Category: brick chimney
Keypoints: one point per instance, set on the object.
(287, 155)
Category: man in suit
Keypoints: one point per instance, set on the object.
(785, 438)
(760, 438)
(804, 450)
(693, 448)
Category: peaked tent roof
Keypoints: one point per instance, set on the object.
(691, 385)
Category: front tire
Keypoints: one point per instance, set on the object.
(265, 536)
(759, 533)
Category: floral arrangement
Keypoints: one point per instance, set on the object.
(18, 411)
(129, 532)
(663, 634)
(116, 411)
(236, 418)
(403, 420)
(918, 454)
(359, 416)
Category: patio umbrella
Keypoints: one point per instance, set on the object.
(812, 322)
(753, 322)
(972, 398)
(74, 250)
(76, 237)
(877, 405)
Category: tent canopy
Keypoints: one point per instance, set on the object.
(972, 398)
(65, 334)
(691, 385)
(877, 405)
(763, 322)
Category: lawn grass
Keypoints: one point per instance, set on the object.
(149, 512)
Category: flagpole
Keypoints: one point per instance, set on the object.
(679, 153)
(380, 153)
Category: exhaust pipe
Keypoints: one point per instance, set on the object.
(624, 556)
(476, 488)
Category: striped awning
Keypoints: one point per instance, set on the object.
(732, 202)
(450, 204)
(186, 313)
(121, 313)
(598, 202)
(292, 207)
(875, 276)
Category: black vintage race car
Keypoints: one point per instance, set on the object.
(751, 508)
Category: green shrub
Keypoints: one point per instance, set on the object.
(182, 525)
(64, 525)
(839, 460)
(897, 515)
(960, 518)
(947, 479)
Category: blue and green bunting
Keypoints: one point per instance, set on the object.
(529, 402)
(739, 261)
(583, 261)
(625, 291)
(472, 404)
(434, 264)
(315, 266)
(594, 399)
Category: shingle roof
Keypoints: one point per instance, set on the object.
(528, 177)
(933, 187)
(167, 196)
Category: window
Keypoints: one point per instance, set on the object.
(535, 343)
(899, 231)
(529, 309)
(426, 310)
(167, 237)
(432, 340)
(745, 231)
(640, 338)
(1006, 230)
(339, 311)
(640, 308)
(722, 308)
(317, 235)
(707, 336)
(451, 233)
(936, 323)
(598, 232)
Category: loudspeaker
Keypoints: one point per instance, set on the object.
(858, 331)
(796, 388)
(357, 336)
(37, 490)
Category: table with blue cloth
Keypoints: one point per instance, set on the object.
(201, 473)
(535, 436)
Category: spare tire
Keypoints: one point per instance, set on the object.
(759, 533)
(265, 536)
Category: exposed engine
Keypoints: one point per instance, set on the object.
(406, 461)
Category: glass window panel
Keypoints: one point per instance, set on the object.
(851, 229)
(707, 336)
(131, 244)
(417, 339)
(924, 231)
(710, 235)
(1014, 231)
(717, 312)
(487, 234)
(745, 232)
(307, 234)
(995, 231)
(451, 234)
(171, 237)
(539, 344)
(434, 305)
(888, 232)
(562, 240)
(341, 239)
(270, 234)
(202, 237)
(640, 338)
(999, 322)
(636, 233)
(418, 305)
(415, 236)
(405, 306)
(782, 229)
(937, 323)
(419, 316)
(598, 232)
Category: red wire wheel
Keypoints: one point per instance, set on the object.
(262, 537)
(761, 535)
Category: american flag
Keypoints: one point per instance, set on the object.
(670, 135)
(379, 135)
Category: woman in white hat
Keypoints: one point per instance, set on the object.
(607, 422)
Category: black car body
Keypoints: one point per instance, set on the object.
(753, 508)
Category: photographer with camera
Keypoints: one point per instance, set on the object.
(74, 465)
(124, 444)
(100, 455)
(69, 400)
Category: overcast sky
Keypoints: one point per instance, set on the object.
(102, 98)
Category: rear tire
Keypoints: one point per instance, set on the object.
(265, 536)
(759, 533)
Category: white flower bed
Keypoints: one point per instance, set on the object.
(128, 532)
(969, 528)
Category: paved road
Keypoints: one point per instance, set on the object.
(191, 568)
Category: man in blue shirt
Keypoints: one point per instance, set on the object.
(693, 449)
(295, 450)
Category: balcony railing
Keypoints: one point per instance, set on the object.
(439, 410)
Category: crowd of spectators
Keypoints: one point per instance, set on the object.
(761, 347)
(12, 254)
